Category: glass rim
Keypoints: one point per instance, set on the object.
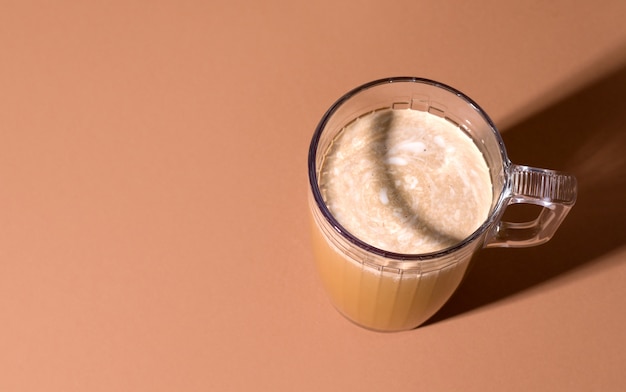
(343, 232)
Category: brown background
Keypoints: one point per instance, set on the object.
(153, 216)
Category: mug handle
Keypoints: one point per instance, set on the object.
(554, 191)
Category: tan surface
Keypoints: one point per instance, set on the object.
(153, 224)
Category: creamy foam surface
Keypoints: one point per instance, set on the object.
(406, 181)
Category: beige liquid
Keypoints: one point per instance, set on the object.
(408, 182)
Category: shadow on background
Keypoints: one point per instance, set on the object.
(584, 134)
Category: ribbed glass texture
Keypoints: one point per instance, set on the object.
(541, 184)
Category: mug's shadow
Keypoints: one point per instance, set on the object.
(584, 134)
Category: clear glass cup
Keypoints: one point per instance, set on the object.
(387, 291)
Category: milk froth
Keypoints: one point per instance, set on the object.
(406, 181)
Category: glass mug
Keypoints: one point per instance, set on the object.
(387, 291)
